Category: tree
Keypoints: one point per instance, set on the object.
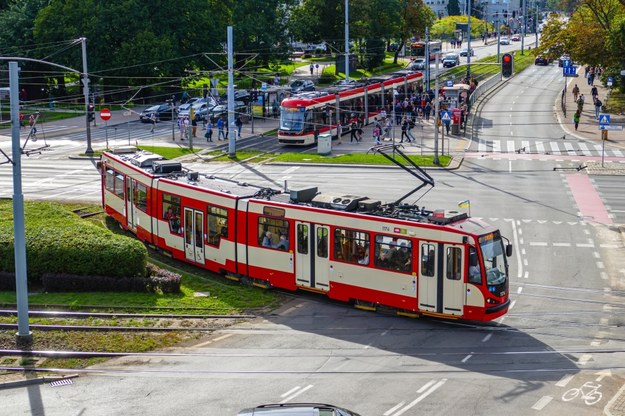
(453, 8)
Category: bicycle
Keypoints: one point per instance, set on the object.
(589, 391)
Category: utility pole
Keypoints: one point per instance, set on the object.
(427, 58)
(232, 135)
(468, 41)
(346, 41)
(436, 115)
(23, 336)
(85, 81)
(523, 28)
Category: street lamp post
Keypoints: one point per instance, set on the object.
(436, 115)
(346, 40)
(469, 41)
(85, 80)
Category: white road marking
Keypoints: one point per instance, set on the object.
(583, 360)
(519, 290)
(465, 359)
(538, 243)
(542, 402)
(487, 337)
(565, 380)
(420, 398)
(562, 244)
(294, 395)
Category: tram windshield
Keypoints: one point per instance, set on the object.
(292, 119)
(495, 264)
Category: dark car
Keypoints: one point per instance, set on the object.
(302, 85)
(541, 60)
(221, 111)
(465, 52)
(161, 111)
(450, 60)
(239, 95)
(297, 409)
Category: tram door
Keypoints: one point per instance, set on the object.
(428, 277)
(312, 262)
(194, 235)
(452, 280)
(441, 284)
(131, 186)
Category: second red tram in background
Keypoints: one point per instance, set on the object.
(348, 247)
(303, 117)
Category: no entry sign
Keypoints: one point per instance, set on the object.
(105, 114)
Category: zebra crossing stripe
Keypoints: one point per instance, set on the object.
(62, 382)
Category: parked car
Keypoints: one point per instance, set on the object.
(564, 57)
(239, 95)
(297, 409)
(465, 52)
(504, 40)
(450, 60)
(297, 53)
(200, 109)
(516, 38)
(161, 111)
(301, 85)
(418, 64)
(221, 111)
(541, 60)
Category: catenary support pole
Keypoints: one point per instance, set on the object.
(24, 336)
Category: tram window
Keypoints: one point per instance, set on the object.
(393, 253)
(171, 212)
(454, 263)
(273, 233)
(110, 180)
(475, 275)
(217, 224)
(302, 238)
(322, 242)
(351, 246)
(428, 259)
(141, 196)
(199, 227)
(119, 185)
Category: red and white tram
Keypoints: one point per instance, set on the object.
(303, 117)
(350, 248)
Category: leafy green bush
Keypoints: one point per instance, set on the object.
(58, 241)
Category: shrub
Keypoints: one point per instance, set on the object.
(58, 241)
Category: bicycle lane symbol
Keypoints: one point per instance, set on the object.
(589, 392)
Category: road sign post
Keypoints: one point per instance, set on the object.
(105, 114)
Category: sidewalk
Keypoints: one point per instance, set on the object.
(588, 129)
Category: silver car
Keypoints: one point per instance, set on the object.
(297, 409)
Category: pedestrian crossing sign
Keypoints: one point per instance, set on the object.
(445, 116)
(604, 119)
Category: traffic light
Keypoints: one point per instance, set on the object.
(506, 65)
(91, 112)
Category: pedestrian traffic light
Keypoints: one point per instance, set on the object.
(90, 112)
(506, 65)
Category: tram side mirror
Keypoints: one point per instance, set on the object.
(509, 250)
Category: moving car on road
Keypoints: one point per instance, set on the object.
(504, 40)
(541, 60)
(417, 65)
(450, 60)
(465, 52)
(301, 85)
(221, 111)
(516, 38)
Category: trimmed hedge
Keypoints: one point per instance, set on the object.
(58, 241)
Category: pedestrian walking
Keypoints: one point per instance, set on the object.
(576, 118)
(239, 124)
(153, 121)
(594, 92)
(181, 127)
(353, 129)
(32, 121)
(312, 69)
(580, 103)
(377, 131)
(598, 105)
(575, 92)
(404, 129)
(220, 129)
(194, 127)
(185, 128)
(209, 131)
(427, 110)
